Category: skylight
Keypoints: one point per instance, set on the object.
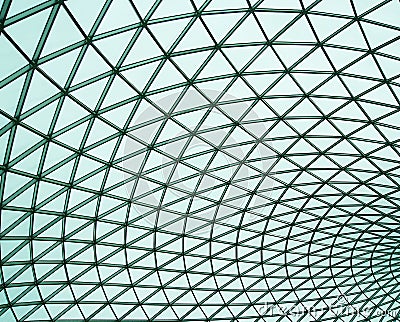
(199, 160)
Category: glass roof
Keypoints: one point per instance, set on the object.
(199, 160)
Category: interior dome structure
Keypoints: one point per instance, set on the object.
(199, 160)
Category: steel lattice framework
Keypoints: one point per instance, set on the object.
(197, 160)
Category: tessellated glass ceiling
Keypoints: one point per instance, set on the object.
(195, 160)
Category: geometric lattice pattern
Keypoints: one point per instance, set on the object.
(192, 160)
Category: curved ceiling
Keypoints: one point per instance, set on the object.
(199, 160)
